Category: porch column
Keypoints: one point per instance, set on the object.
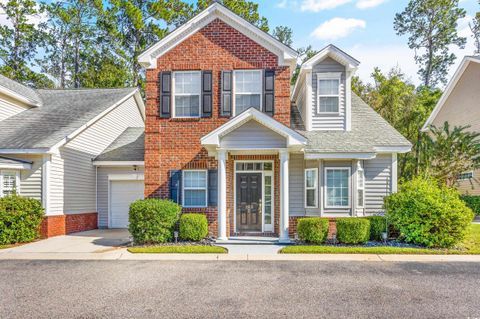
(222, 195)
(284, 196)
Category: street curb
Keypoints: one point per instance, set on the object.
(123, 254)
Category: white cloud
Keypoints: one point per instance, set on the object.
(282, 4)
(337, 28)
(366, 4)
(319, 5)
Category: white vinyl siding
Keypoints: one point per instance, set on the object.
(56, 185)
(248, 87)
(30, 179)
(378, 181)
(102, 189)
(9, 107)
(335, 120)
(253, 135)
(187, 90)
(75, 166)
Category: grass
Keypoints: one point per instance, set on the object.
(5, 246)
(469, 246)
(190, 249)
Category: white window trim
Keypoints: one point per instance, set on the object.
(329, 76)
(195, 188)
(186, 94)
(361, 187)
(349, 187)
(465, 173)
(315, 187)
(17, 181)
(234, 93)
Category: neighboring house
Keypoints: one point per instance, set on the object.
(224, 139)
(49, 140)
(460, 106)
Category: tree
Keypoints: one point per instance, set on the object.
(432, 28)
(304, 54)
(450, 152)
(130, 26)
(475, 27)
(19, 40)
(244, 8)
(284, 34)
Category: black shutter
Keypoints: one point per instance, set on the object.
(207, 93)
(165, 93)
(269, 92)
(176, 186)
(226, 99)
(212, 188)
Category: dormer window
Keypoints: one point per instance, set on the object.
(328, 93)
(248, 90)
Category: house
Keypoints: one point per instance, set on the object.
(74, 150)
(227, 137)
(459, 106)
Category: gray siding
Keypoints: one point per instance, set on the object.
(75, 167)
(328, 122)
(102, 186)
(296, 191)
(378, 181)
(253, 135)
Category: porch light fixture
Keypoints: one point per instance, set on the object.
(175, 235)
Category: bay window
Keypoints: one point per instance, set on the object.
(311, 188)
(248, 90)
(337, 187)
(328, 93)
(187, 93)
(194, 188)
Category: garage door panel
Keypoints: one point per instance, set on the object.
(123, 193)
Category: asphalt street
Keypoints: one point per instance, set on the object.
(155, 289)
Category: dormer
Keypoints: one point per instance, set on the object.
(322, 93)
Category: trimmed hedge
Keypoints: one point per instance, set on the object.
(312, 230)
(427, 214)
(378, 226)
(20, 219)
(193, 227)
(152, 221)
(473, 202)
(353, 230)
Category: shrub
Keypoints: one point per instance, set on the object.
(428, 214)
(312, 230)
(152, 220)
(193, 227)
(20, 219)
(353, 230)
(473, 202)
(378, 225)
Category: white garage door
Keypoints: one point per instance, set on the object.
(123, 193)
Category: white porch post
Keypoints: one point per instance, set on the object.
(284, 196)
(222, 195)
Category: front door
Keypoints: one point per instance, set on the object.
(249, 202)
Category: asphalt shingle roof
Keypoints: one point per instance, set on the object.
(129, 146)
(369, 130)
(20, 89)
(62, 112)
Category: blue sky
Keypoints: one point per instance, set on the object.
(363, 28)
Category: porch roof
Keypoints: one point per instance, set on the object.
(13, 163)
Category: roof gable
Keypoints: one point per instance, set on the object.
(334, 53)
(449, 89)
(286, 55)
(19, 91)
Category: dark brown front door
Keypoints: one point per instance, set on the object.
(249, 202)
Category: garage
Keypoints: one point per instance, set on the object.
(122, 194)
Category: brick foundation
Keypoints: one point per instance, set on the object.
(66, 224)
(293, 221)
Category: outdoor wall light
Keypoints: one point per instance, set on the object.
(175, 235)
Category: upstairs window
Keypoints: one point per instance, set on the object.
(187, 92)
(248, 88)
(328, 93)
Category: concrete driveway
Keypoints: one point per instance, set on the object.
(93, 241)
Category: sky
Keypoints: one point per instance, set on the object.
(362, 28)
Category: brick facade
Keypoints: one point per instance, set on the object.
(67, 224)
(174, 144)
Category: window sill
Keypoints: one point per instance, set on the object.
(185, 119)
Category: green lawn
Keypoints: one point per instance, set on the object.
(469, 246)
(191, 249)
